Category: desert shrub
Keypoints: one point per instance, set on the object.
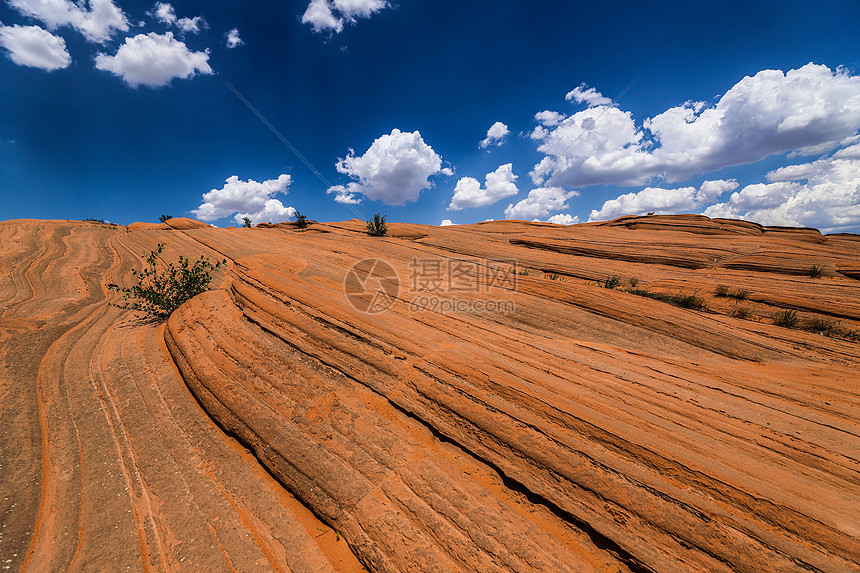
(159, 292)
(852, 335)
(820, 325)
(634, 282)
(741, 312)
(693, 301)
(301, 221)
(642, 292)
(612, 282)
(246, 222)
(553, 276)
(377, 227)
(786, 318)
(815, 271)
(740, 294)
(523, 272)
(723, 291)
(164, 218)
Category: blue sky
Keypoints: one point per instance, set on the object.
(430, 111)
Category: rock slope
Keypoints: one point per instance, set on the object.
(498, 410)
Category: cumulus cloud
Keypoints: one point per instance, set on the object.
(273, 211)
(809, 110)
(549, 118)
(246, 199)
(563, 219)
(154, 60)
(446, 223)
(394, 170)
(349, 194)
(540, 203)
(319, 15)
(95, 19)
(165, 14)
(495, 135)
(331, 15)
(824, 194)
(663, 201)
(233, 39)
(34, 47)
(497, 185)
(352, 9)
(587, 95)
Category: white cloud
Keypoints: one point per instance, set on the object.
(540, 132)
(233, 39)
(583, 147)
(498, 185)
(394, 170)
(165, 14)
(540, 203)
(320, 16)
(331, 15)
(348, 194)
(246, 199)
(273, 211)
(549, 118)
(808, 110)
(154, 60)
(495, 135)
(97, 22)
(589, 96)
(663, 201)
(352, 9)
(446, 223)
(851, 152)
(34, 47)
(192, 25)
(563, 219)
(824, 194)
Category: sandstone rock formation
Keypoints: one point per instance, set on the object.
(544, 423)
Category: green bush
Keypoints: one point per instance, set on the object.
(634, 282)
(815, 271)
(377, 227)
(643, 292)
(693, 301)
(786, 318)
(301, 221)
(159, 292)
(740, 294)
(820, 325)
(246, 222)
(164, 218)
(612, 282)
(723, 291)
(741, 312)
(690, 301)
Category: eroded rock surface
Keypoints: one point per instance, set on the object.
(568, 427)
